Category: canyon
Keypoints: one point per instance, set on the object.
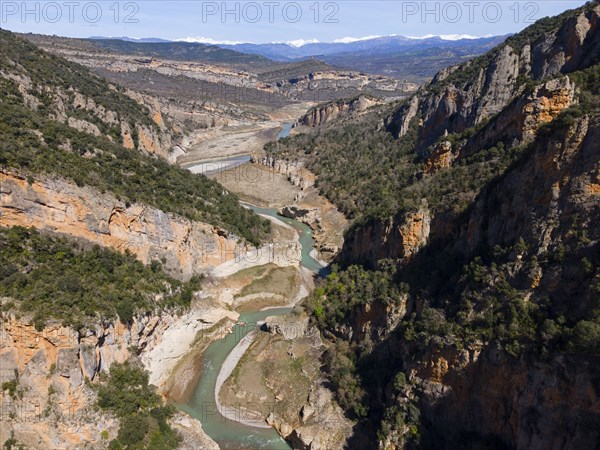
(455, 304)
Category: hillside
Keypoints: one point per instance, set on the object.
(178, 51)
(102, 244)
(465, 311)
(417, 64)
(59, 119)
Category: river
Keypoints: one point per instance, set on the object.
(230, 434)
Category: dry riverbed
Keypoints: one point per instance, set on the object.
(263, 186)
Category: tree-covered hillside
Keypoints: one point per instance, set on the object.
(33, 140)
(489, 313)
(55, 278)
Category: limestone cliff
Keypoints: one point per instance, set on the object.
(483, 393)
(524, 401)
(295, 171)
(462, 97)
(54, 370)
(333, 111)
(495, 343)
(399, 237)
(457, 119)
(53, 204)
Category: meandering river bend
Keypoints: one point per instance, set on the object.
(230, 434)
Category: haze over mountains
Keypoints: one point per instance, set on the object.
(286, 51)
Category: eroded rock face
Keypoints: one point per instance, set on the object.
(157, 139)
(56, 205)
(526, 401)
(519, 122)
(400, 237)
(280, 381)
(297, 174)
(287, 329)
(440, 157)
(454, 108)
(494, 101)
(322, 425)
(54, 369)
(547, 405)
(565, 170)
(194, 437)
(329, 112)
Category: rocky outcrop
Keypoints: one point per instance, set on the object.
(187, 247)
(279, 381)
(519, 122)
(493, 106)
(54, 369)
(282, 326)
(565, 170)
(372, 321)
(68, 105)
(526, 401)
(439, 157)
(451, 105)
(322, 426)
(159, 139)
(332, 111)
(552, 404)
(297, 174)
(309, 216)
(399, 237)
(194, 437)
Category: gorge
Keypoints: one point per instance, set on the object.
(409, 270)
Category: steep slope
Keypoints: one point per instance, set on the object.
(118, 238)
(70, 311)
(59, 119)
(469, 95)
(466, 312)
(69, 94)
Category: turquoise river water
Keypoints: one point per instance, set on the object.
(227, 433)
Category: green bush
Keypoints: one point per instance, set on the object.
(143, 417)
(32, 142)
(77, 283)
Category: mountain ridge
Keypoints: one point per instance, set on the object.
(468, 290)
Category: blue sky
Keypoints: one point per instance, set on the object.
(268, 21)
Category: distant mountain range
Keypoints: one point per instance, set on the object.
(414, 59)
(379, 45)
